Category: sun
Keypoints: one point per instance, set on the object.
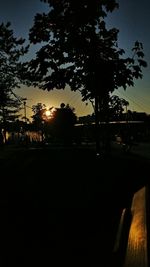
(47, 113)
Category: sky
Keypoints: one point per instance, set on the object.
(132, 20)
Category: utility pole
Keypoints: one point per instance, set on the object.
(25, 112)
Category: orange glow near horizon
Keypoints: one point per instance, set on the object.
(49, 113)
(53, 99)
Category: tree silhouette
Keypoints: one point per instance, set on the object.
(81, 52)
(39, 118)
(62, 123)
(11, 50)
(116, 107)
(39, 114)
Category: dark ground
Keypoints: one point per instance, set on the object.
(61, 207)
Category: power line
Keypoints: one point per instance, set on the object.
(130, 99)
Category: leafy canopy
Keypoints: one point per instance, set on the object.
(80, 51)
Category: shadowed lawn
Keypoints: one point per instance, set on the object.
(62, 205)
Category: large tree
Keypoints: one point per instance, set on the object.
(80, 51)
(11, 51)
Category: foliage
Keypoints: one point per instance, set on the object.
(11, 51)
(80, 51)
(62, 122)
(113, 108)
(39, 115)
(116, 107)
(59, 124)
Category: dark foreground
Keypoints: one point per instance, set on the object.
(61, 207)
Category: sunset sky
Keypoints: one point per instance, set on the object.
(132, 20)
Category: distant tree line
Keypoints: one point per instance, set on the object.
(53, 124)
